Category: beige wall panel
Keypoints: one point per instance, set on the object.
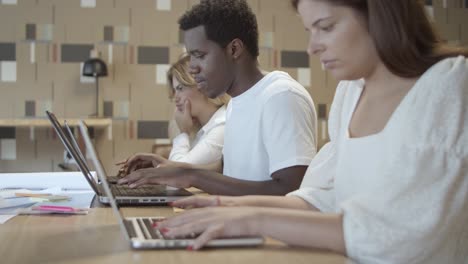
(125, 73)
(81, 101)
(50, 152)
(145, 76)
(318, 83)
(291, 71)
(120, 130)
(150, 103)
(332, 83)
(111, 16)
(126, 148)
(148, 4)
(8, 99)
(75, 98)
(448, 31)
(275, 7)
(254, 5)
(47, 72)
(36, 15)
(457, 15)
(287, 39)
(33, 92)
(266, 30)
(80, 34)
(453, 3)
(114, 92)
(74, 3)
(26, 3)
(464, 34)
(175, 52)
(59, 33)
(192, 2)
(20, 166)
(135, 35)
(155, 27)
(76, 16)
(25, 148)
(265, 59)
(118, 55)
(105, 149)
(440, 13)
(8, 16)
(25, 70)
(65, 71)
(42, 52)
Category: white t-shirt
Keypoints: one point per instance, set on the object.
(207, 147)
(269, 127)
(403, 192)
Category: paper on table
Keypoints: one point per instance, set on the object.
(4, 218)
(79, 200)
(11, 193)
(42, 180)
(15, 202)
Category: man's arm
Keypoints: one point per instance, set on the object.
(282, 182)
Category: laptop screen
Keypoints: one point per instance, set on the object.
(69, 147)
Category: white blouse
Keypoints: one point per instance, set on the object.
(207, 147)
(403, 192)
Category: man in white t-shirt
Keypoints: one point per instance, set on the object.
(270, 130)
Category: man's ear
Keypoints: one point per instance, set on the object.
(236, 48)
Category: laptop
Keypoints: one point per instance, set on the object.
(144, 195)
(138, 231)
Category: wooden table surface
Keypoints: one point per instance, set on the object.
(96, 238)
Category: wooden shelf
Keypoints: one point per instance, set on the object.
(33, 123)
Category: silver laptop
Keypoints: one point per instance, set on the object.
(138, 231)
(144, 195)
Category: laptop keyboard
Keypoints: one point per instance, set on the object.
(145, 225)
(124, 190)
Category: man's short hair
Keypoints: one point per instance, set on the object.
(224, 20)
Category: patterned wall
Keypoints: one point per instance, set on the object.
(43, 44)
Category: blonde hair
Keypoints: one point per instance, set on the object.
(180, 70)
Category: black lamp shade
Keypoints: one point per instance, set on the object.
(94, 68)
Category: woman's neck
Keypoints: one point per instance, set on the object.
(205, 115)
(382, 83)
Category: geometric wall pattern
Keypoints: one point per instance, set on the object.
(43, 44)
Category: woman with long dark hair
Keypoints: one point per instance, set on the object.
(392, 184)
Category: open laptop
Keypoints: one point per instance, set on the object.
(138, 231)
(144, 195)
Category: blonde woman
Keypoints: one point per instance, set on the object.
(199, 119)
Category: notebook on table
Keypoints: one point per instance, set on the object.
(144, 195)
(140, 234)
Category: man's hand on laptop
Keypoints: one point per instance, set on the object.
(141, 161)
(147, 160)
(168, 175)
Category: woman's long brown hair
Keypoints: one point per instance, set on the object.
(404, 37)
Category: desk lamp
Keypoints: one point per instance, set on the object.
(96, 68)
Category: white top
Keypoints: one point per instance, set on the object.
(207, 147)
(403, 192)
(269, 127)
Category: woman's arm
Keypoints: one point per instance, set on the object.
(208, 149)
(291, 202)
(294, 227)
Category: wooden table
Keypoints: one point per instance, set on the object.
(96, 238)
